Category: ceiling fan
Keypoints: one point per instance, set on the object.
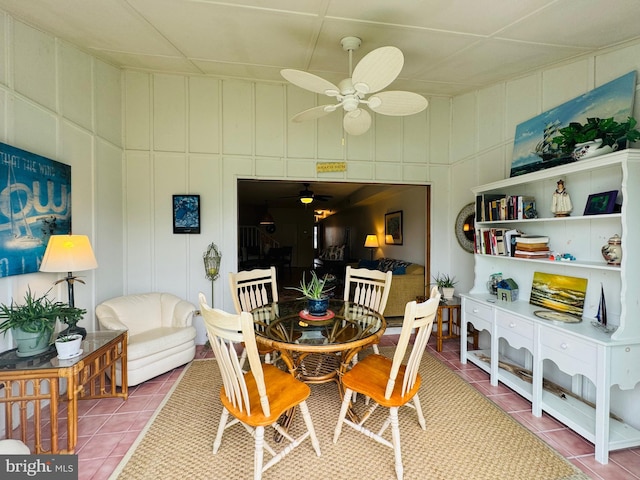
(373, 73)
(307, 196)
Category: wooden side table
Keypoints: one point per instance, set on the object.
(451, 311)
(29, 383)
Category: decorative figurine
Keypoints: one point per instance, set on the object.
(561, 205)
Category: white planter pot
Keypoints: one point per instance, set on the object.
(447, 292)
(69, 349)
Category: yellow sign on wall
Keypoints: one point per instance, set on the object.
(331, 167)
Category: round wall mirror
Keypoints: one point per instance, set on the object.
(465, 226)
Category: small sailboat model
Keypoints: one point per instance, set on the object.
(601, 316)
(602, 309)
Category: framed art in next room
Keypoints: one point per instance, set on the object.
(393, 228)
(186, 214)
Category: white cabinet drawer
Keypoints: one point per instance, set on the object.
(478, 314)
(571, 354)
(516, 330)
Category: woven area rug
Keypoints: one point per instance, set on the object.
(467, 437)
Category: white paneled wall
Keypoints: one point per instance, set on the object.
(198, 135)
(62, 103)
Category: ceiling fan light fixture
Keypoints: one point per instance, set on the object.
(373, 73)
(350, 104)
(306, 200)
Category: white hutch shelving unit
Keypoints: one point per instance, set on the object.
(572, 351)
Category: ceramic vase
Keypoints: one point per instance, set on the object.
(612, 251)
(592, 149)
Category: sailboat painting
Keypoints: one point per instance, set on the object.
(35, 203)
(533, 147)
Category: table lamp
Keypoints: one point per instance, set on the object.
(68, 253)
(371, 242)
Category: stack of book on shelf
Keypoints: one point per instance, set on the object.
(492, 241)
(496, 207)
(532, 246)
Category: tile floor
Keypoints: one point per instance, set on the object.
(107, 428)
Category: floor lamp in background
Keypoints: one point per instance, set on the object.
(371, 242)
(69, 253)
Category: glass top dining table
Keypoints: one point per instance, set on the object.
(317, 349)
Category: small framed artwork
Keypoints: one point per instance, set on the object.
(186, 214)
(601, 203)
(393, 228)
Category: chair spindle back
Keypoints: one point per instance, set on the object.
(225, 330)
(418, 316)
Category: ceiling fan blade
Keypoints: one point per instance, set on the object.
(397, 103)
(377, 69)
(313, 113)
(357, 122)
(323, 198)
(309, 81)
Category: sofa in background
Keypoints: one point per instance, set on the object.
(161, 335)
(406, 284)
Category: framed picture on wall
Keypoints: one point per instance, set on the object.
(35, 203)
(601, 203)
(393, 228)
(186, 214)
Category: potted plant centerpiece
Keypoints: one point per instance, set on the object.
(33, 322)
(596, 137)
(446, 284)
(316, 291)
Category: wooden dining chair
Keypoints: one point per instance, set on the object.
(389, 383)
(251, 289)
(259, 397)
(369, 288)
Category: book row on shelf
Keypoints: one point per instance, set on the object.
(510, 243)
(495, 207)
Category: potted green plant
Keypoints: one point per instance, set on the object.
(316, 291)
(33, 322)
(606, 134)
(71, 316)
(446, 284)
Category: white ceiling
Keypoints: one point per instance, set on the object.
(450, 46)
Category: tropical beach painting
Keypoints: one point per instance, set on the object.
(532, 146)
(559, 293)
(35, 203)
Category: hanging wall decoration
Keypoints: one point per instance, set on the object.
(35, 203)
(393, 228)
(186, 214)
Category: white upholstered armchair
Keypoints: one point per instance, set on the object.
(161, 335)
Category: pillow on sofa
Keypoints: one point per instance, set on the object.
(386, 264)
(370, 264)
